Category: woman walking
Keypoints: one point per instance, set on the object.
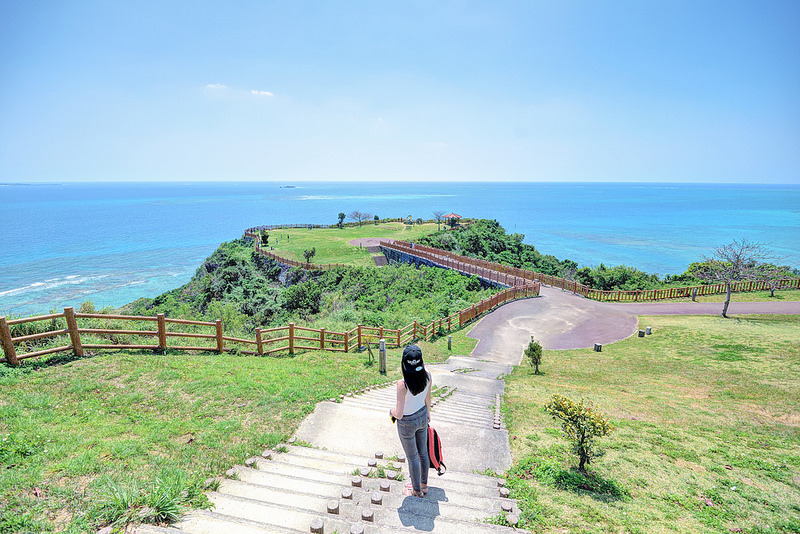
(413, 415)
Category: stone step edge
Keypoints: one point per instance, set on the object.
(354, 461)
(467, 481)
(336, 495)
(344, 457)
(479, 484)
(334, 517)
(208, 516)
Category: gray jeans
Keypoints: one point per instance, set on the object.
(413, 432)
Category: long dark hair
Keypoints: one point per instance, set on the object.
(414, 374)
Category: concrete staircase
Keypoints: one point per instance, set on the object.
(334, 486)
(304, 489)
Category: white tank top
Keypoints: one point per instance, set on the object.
(415, 402)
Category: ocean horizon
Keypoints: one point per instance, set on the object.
(113, 243)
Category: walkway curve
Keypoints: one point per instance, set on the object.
(561, 320)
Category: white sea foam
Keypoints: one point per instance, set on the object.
(50, 283)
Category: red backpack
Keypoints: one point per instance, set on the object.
(435, 451)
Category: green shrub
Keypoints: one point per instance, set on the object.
(534, 354)
(581, 424)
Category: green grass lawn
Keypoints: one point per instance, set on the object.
(333, 244)
(73, 429)
(707, 434)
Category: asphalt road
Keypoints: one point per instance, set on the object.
(560, 320)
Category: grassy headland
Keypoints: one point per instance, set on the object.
(332, 244)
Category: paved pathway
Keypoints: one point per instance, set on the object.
(561, 320)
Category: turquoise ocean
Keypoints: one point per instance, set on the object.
(109, 243)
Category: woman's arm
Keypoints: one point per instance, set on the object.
(428, 396)
(397, 411)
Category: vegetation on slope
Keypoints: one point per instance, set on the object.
(244, 289)
(486, 239)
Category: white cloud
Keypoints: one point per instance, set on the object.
(261, 93)
(216, 86)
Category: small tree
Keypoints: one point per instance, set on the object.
(377, 219)
(264, 237)
(419, 220)
(359, 216)
(438, 216)
(308, 254)
(580, 424)
(453, 222)
(341, 218)
(534, 354)
(735, 262)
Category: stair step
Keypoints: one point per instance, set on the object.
(289, 518)
(207, 522)
(453, 480)
(316, 496)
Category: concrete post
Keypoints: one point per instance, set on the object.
(382, 356)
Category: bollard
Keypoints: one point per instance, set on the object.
(598, 347)
(382, 356)
(641, 333)
(449, 342)
(649, 330)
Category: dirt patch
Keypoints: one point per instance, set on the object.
(367, 241)
(789, 419)
(680, 462)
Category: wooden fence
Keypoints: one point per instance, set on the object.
(267, 340)
(683, 292)
(512, 275)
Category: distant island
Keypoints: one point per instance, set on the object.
(288, 187)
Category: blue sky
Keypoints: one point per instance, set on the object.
(670, 91)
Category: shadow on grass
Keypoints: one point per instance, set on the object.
(550, 472)
(593, 484)
(36, 364)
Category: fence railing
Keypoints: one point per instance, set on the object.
(509, 275)
(690, 291)
(267, 340)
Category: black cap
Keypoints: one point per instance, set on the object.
(412, 359)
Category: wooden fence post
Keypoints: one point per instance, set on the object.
(8, 345)
(259, 342)
(358, 337)
(220, 345)
(74, 336)
(346, 341)
(414, 336)
(398, 337)
(162, 331)
(321, 339)
(291, 338)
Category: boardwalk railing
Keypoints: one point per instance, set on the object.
(682, 292)
(511, 275)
